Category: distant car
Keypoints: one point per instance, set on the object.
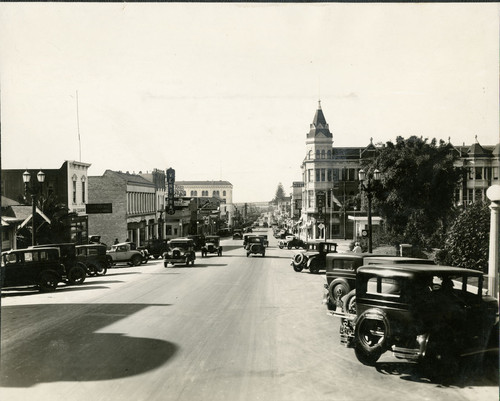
(432, 315)
(291, 241)
(33, 266)
(237, 233)
(314, 256)
(180, 251)
(341, 274)
(255, 245)
(155, 247)
(125, 252)
(212, 245)
(199, 241)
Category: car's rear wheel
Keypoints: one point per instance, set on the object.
(48, 281)
(297, 268)
(76, 275)
(370, 337)
(136, 260)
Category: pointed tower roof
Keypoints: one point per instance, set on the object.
(496, 151)
(476, 150)
(319, 124)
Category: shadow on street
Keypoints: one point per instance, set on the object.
(76, 352)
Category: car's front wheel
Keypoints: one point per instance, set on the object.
(76, 275)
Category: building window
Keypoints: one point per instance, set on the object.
(323, 154)
(309, 175)
(317, 174)
(311, 199)
(83, 190)
(329, 154)
(317, 153)
(322, 174)
(336, 174)
(479, 173)
(74, 191)
(329, 174)
(495, 173)
(478, 195)
(223, 193)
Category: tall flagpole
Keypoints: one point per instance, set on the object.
(78, 128)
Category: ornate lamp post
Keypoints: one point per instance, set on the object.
(366, 182)
(33, 190)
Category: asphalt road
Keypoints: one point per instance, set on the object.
(229, 328)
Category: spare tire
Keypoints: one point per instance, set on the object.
(298, 259)
(371, 336)
(254, 248)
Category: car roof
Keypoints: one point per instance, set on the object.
(379, 259)
(391, 270)
(31, 249)
(212, 237)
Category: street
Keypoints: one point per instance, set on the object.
(228, 328)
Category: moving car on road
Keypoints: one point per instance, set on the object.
(255, 245)
(212, 245)
(180, 251)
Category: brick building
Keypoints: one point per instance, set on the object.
(133, 212)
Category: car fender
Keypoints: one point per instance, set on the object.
(310, 260)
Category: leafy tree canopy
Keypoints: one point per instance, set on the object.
(467, 241)
(415, 196)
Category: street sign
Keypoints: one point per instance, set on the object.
(364, 233)
(97, 208)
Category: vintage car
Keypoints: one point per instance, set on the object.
(431, 315)
(199, 241)
(155, 247)
(255, 245)
(237, 233)
(125, 252)
(180, 251)
(212, 245)
(291, 241)
(33, 266)
(94, 257)
(313, 257)
(341, 273)
(75, 270)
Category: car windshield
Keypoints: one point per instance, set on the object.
(254, 239)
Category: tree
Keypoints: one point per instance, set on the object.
(417, 188)
(467, 240)
(280, 193)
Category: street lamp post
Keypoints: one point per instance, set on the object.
(366, 182)
(33, 190)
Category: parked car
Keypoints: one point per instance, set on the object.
(291, 241)
(341, 274)
(314, 256)
(212, 245)
(33, 266)
(125, 252)
(156, 247)
(237, 233)
(255, 245)
(95, 258)
(180, 250)
(75, 272)
(432, 315)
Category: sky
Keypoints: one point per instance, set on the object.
(228, 91)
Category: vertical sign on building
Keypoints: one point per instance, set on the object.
(170, 190)
(321, 205)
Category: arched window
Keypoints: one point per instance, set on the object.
(317, 153)
(223, 193)
(83, 189)
(329, 154)
(323, 154)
